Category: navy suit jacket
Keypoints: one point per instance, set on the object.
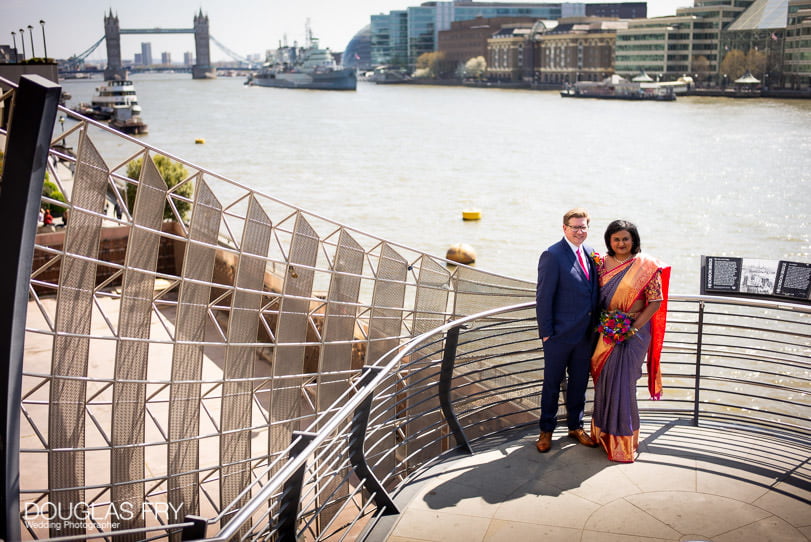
(567, 301)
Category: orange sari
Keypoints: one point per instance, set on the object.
(615, 368)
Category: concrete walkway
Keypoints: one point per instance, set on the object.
(708, 483)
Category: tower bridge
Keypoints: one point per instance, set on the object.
(202, 69)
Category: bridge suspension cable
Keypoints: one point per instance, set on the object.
(76, 61)
(229, 52)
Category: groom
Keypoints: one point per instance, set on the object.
(567, 299)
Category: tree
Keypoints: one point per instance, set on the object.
(734, 64)
(431, 65)
(50, 190)
(475, 67)
(173, 173)
(701, 66)
(756, 62)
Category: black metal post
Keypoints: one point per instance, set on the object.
(44, 45)
(22, 40)
(445, 381)
(291, 494)
(31, 37)
(29, 135)
(197, 529)
(357, 455)
(699, 339)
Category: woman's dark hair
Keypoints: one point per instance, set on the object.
(622, 225)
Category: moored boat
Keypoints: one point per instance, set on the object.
(115, 93)
(619, 88)
(308, 67)
(127, 121)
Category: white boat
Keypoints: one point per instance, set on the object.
(618, 88)
(113, 94)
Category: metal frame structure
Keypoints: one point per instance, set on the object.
(251, 370)
(29, 134)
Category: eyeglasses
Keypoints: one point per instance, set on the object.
(578, 228)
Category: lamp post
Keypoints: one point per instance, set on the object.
(14, 40)
(44, 45)
(22, 39)
(62, 124)
(31, 37)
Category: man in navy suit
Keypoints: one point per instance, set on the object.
(567, 297)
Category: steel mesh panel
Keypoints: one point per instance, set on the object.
(422, 407)
(339, 320)
(77, 279)
(294, 312)
(129, 390)
(187, 358)
(386, 318)
(243, 325)
(433, 288)
(340, 317)
(385, 325)
(477, 291)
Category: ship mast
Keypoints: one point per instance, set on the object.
(308, 34)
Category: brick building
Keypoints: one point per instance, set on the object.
(468, 39)
(578, 49)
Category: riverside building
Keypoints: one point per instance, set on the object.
(797, 57)
(691, 42)
(399, 37)
(578, 49)
(469, 39)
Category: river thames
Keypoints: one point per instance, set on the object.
(699, 176)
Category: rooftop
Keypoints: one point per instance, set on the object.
(763, 14)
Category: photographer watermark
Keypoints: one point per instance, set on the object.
(57, 516)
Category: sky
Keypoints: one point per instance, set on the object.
(243, 26)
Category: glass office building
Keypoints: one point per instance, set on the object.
(669, 47)
(389, 38)
(399, 37)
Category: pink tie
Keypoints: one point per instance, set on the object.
(582, 264)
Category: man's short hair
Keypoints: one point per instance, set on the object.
(577, 212)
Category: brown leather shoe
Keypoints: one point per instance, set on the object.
(544, 442)
(580, 436)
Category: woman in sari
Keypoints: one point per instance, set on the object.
(635, 286)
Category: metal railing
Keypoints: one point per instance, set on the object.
(161, 364)
(739, 362)
(252, 370)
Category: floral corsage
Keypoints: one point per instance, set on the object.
(615, 326)
(597, 259)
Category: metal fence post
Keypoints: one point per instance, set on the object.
(291, 494)
(357, 455)
(28, 140)
(195, 531)
(699, 338)
(444, 389)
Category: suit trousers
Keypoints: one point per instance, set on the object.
(562, 359)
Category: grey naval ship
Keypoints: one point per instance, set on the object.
(308, 67)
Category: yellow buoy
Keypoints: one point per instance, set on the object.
(461, 253)
(199, 141)
(471, 214)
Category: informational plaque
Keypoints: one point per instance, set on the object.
(752, 277)
(793, 280)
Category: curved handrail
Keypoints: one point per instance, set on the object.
(387, 365)
(336, 419)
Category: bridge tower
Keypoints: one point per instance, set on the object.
(202, 48)
(112, 35)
